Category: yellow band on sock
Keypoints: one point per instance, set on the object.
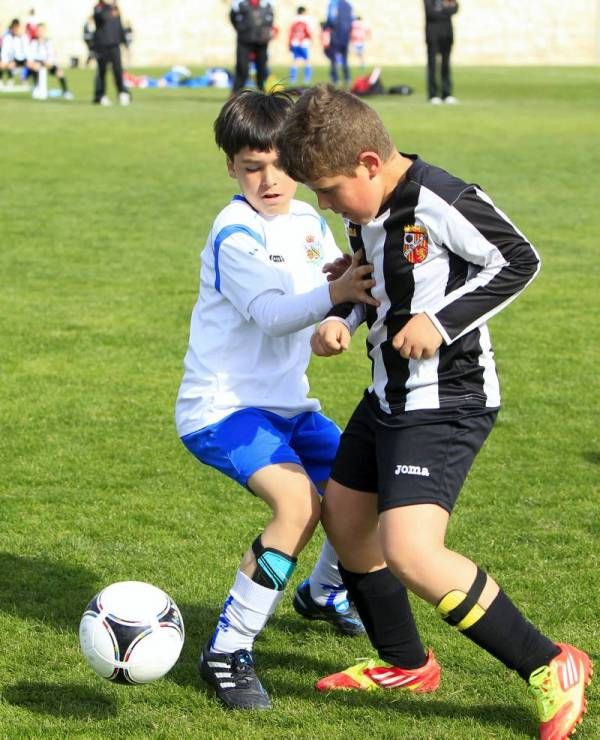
(451, 601)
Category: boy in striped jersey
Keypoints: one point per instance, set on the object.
(243, 405)
(445, 259)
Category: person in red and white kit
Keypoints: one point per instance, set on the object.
(359, 34)
(31, 25)
(301, 34)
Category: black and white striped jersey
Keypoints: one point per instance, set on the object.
(439, 246)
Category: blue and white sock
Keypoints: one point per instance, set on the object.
(244, 615)
(325, 581)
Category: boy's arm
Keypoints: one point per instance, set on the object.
(279, 314)
(253, 284)
(501, 263)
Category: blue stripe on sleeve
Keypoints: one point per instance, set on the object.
(226, 232)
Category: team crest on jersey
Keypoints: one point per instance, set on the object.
(415, 245)
(312, 248)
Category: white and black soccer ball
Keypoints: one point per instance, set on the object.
(131, 632)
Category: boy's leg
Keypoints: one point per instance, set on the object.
(350, 518)
(261, 579)
(470, 600)
(432, 86)
(62, 80)
(41, 83)
(414, 516)
(307, 69)
(261, 61)
(272, 470)
(100, 77)
(448, 580)
(242, 65)
(323, 595)
(293, 72)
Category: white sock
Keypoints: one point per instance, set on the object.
(245, 613)
(326, 587)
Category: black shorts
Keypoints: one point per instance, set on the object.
(420, 457)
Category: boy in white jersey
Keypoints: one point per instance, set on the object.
(243, 403)
(445, 259)
(41, 61)
(13, 51)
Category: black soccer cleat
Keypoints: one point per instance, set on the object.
(234, 679)
(343, 616)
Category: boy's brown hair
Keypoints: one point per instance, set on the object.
(326, 132)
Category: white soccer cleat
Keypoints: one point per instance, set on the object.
(105, 101)
(435, 100)
(124, 98)
(451, 100)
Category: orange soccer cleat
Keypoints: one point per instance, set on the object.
(371, 675)
(559, 691)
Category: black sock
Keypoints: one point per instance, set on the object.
(63, 84)
(383, 605)
(505, 633)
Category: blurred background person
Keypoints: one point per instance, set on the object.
(108, 38)
(359, 35)
(253, 23)
(127, 40)
(14, 51)
(89, 34)
(439, 38)
(339, 25)
(302, 31)
(31, 25)
(41, 61)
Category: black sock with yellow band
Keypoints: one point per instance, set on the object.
(500, 629)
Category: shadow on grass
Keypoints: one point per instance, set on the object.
(515, 718)
(591, 456)
(50, 591)
(61, 700)
(200, 623)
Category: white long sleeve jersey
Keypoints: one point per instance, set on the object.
(261, 290)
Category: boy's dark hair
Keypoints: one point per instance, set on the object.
(301, 10)
(326, 132)
(253, 119)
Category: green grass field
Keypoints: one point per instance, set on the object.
(103, 215)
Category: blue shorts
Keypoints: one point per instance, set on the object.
(251, 439)
(300, 52)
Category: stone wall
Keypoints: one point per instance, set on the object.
(198, 33)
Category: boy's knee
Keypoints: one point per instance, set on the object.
(410, 565)
(303, 517)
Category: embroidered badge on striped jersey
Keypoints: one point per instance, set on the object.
(312, 248)
(415, 245)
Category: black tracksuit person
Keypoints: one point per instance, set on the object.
(439, 38)
(253, 23)
(107, 46)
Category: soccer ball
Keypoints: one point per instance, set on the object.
(131, 632)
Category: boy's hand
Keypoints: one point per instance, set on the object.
(338, 267)
(354, 283)
(418, 339)
(330, 338)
